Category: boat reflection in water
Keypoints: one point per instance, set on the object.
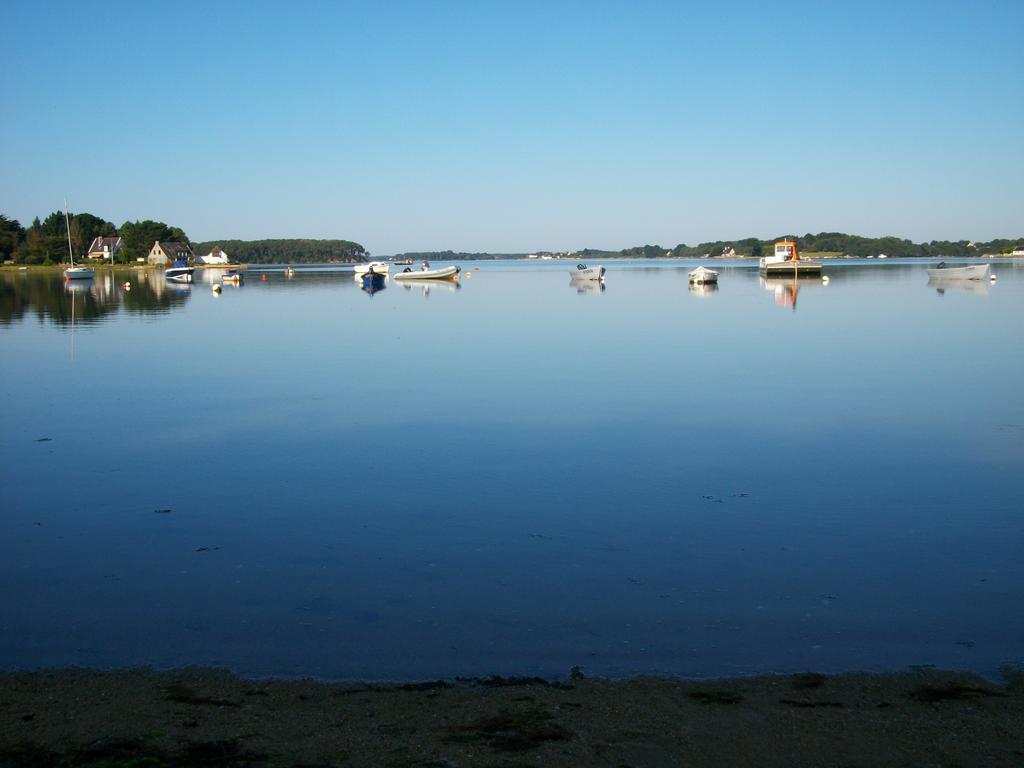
(372, 282)
(79, 286)
(178, 288)
(787, 288)
(977, 287)
(426, 286)
(703, 290)
(587, 286)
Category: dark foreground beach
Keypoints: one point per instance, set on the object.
(141, 718)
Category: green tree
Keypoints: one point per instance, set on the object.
(44, 242)
(11, 235)
(137, 237)
(289, 251)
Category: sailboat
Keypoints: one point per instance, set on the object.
(73, 272)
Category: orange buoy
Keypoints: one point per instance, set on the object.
(264, 277)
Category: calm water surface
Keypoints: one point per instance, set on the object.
(514, 476)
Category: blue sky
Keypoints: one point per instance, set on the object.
(518, 126)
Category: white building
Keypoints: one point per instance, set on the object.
(104, 247)
(215, 256)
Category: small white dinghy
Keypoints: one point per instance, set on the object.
(379, 267)
(583, 272)
(971, 272)
(702, 275)
(441, 273)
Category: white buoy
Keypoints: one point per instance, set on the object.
(992, 278)
(216, 289)
(824, 279)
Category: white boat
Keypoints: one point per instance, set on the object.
(943, 271)
(179, 272)
(583, 272)
(73, 272)
(703, 275)
(442, 273)
(786, 261)
(79, 273)
(380, 267)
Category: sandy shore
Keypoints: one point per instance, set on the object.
(142, 718)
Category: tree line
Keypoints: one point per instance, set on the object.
(46, 242)
(838, 242)
(830, 242)
(455, 256)
(288, 251)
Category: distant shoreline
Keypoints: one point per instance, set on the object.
(594, 260)
(82, 717)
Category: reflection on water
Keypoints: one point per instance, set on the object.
(48, 296)
(977, 287)
(426, 286)
(786, 289)
(587, 286)
(703, 290)
(506, 479)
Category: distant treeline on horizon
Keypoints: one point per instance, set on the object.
(825, 242)
(45, 242)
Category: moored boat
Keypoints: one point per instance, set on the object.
(583, 272)
(372, 281)
(943, 271)
(179, 272)
(79, 273)
(380, 267)
(702, 275)
(73, 272)
(232, 276)
(786, 261)
(441, 273)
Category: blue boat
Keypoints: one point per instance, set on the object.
(372, 281)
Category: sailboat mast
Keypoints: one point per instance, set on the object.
(67, 225)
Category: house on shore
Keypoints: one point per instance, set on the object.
(104, 247)
(215, 256)
(165, 253)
